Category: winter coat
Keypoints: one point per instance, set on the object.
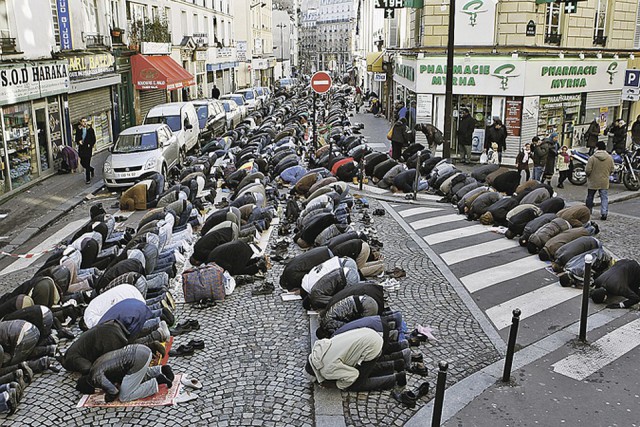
(530, 184)
(400, 134)
(482, 203)
(375, 323)
(337, 359)
(110, 368)
(222, 233)
(382, 168)
(404, 181)
(322, 183)
(132, 313)
(493, 175)
(85, 149)
(538, 239)
(315, 227)
(329, 233)
(576, 265)
(304, 184)
(518, 217)
(619, 137)
(372, 160)
(497, 212)
(622, 280)
(535, 197)
(300, 265)
(506, 182)
(363, 288)
(541, 153)
(457, 186)
(344, 311)
(92, 344)
(552, 205)
(470, 196)
(387, 180)
(466, 126)
(103, 302)
(465, 189)
(592, 134)
(548, 252)
(576, 247)
(496, 135)
(442, 177)
(134, 198)
(122, 267)
(534, 225)
(577, 215)
(599, 167)
(563, 162)
(349, 248)
(329, 278)
(481, 172)
(635, 132)
(522, 159)
(345, 237)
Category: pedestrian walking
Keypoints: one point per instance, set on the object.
(215, 92)
(358, 99)
(522, 161)
(85, 140)
(563, 163)
(635, 131)
(552, 154)
(618, 134)
(496, 133)
(540, 155)
(399, 138)
(466, 126)
(599, 169)
(592, 135)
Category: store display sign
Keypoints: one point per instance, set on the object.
(55, 125)
(560, 101)
(424, 106)
(473, 75)
(405, 73)
(574, 76)
(22, 82)
(513, 118)
(475, 20)
(83, 66)
(64, 23)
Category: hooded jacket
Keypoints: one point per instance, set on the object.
(622, 280)
(110, 368)
(538, 239)
(482, 203)
(499, 210)
(299, 266)
(599, 167)
(506, 182)
(535, 197)
(337, 358)
(576, 247)
(548, 252)
(92, 344)
(481, 172)
(534, 225)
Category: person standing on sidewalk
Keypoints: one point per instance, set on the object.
(498, 134)
(540, 155)
(358, 99)
(592, 135)
(400, 138)
(599, 168)
(86, 140)
(563, 162)
(522, 161)
(635, 131)
(465, 135)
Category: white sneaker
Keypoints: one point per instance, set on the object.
(164, 331)
(184, 397)
(190, 382)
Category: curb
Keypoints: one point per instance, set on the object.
(622, 197)
(49, 218)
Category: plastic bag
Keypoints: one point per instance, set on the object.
(483, 158)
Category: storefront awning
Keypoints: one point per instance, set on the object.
(374, 62)
(159, 72)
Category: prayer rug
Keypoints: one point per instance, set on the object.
(163, 397)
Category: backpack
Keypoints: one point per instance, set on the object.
(292, 211)
(438, 137)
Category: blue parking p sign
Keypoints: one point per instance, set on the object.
(632, 78)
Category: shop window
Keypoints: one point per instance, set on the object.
(100, 123)
(599, 30)
(20, 144)
(552, 24)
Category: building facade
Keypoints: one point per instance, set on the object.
(335, 35)
(255, 43)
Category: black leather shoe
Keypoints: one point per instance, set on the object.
(422, 390)
(406, 398)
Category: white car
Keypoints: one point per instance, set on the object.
(240, 103)
(139, 152)
(251, 98)
(234, 117)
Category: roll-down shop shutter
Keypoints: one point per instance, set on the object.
(83, 104)
(609, 98)
(151, 98)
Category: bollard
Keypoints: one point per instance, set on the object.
(513, 334)
(315, 126)
(439, 399)
(416, 181)
(584, 312)
(361, 174)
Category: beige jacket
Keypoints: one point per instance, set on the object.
(336, 359)
(599, 167)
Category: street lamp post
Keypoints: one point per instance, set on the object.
(448, 103)
(282, 27)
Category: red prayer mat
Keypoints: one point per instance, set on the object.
(163, 397)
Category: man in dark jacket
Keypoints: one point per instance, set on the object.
(466, 127)
(496, 133)
(85, 140)
(540, 156)
(592, 135)
(433, 134)
(129, 368)
(619, 131)
(92, 344)
(399, 138)
(635, 131)
(619, 280)
(215, 92)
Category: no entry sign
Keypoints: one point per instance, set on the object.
(321, 82)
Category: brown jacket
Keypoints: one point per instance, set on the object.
(599, 168)
(135, 198)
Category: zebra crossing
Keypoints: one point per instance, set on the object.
(501, 276)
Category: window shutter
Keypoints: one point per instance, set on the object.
(393, 32)
(636, 39)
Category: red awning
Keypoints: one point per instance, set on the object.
(159, 72)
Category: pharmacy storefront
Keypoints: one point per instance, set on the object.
(32, 121)
(531, 96)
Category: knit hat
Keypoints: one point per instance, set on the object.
(553, 135)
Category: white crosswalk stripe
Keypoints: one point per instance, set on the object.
(417, 211)
(530, 304)
(479, 250)
(430, 222)
(607, 349)
(492, 276)
(457, 233)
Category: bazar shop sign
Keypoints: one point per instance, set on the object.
(82, 66)
(473, 75)
(574, 76)
(22, 82)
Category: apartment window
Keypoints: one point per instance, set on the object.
(636, 38)
(552, 24)
(155, 13)
(196, 28)
(115, 14)
(4, 21)
(136, 12)
(90, 14)
(600, 25)
(167, 16)
(183, 23)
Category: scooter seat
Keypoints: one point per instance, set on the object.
(585, 156)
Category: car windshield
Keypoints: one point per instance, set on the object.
(260, 91)
(227, 107)
(248, 94)
(238, 99)
(136, 143)
(172, 121)
(203, 114)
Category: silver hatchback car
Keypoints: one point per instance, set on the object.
(140, 151)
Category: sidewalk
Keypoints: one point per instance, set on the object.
(42, 204)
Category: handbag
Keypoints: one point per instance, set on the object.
(390, 133)
(203, 282)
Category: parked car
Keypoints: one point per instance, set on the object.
(234, 117)
(139, 152)
(181, 118)
(262, 94)
(212, 118)
(251, 98)
(240, 103)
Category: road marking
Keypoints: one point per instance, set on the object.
(321, 82)
(530, 303)
(600, 353)
(47, 244)
(429, 222)
(416, 211)
(479, 250)
(501, 273)
(377, 145)
(454, 234)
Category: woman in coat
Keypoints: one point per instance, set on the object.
(399, 138)
(496, 133)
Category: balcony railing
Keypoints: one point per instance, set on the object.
(552, 38)
(8, 45)
(95, 40)
(599, 40)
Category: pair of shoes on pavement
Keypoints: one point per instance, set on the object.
(185, 327)
(187, 349)
(396, 273)
(266, 288)
(409, 398)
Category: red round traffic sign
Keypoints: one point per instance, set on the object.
(321, 82)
